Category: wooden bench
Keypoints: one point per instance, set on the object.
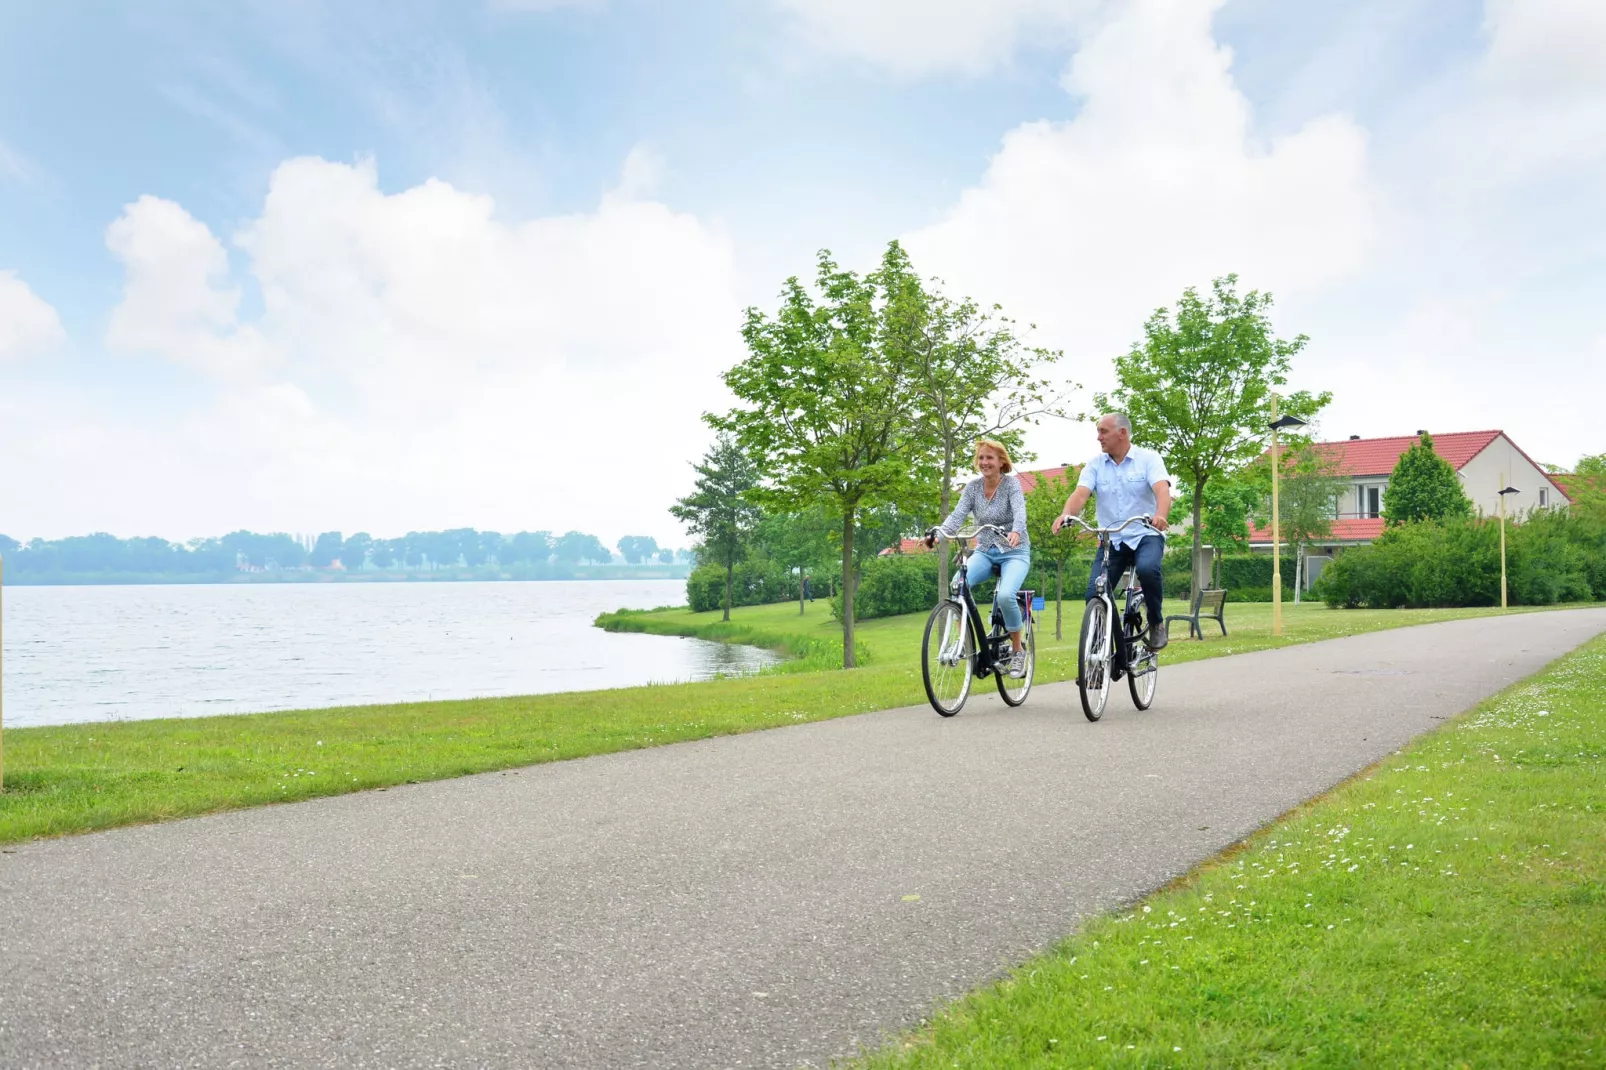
(1210, 605)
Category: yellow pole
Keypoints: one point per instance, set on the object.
(1276, 548)
(1502, 540)
(2, 705)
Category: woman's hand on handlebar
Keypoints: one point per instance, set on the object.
(1014, 539)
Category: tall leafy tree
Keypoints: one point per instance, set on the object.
(530, 548)
(970, 374)
(720, 507)
(325, 550)
(1423, 486)
(574, 547)
(354, 551)
(824, 406)
(1198, 387)
(638, 548)
(1309, 486)
(799, 542)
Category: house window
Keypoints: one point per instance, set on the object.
(1370, 501)
(1544, 497)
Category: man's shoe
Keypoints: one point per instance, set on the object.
(1159, 636)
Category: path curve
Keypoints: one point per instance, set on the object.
(736, 902)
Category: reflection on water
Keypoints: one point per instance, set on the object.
(105, 653)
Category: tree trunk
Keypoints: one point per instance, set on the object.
(802, 578)
(847, 589)
(1059, 596)
(730, 567)
(1198, 542)
(1299, 571)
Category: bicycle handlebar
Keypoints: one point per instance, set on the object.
(1090, 529)
(933, 533)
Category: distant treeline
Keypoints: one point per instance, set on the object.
(530, 553)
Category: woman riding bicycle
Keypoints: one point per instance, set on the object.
(995, 497)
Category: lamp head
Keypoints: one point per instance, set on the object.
(1285, 422)
(1508, 490)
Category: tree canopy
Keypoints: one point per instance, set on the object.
(1199, 387)
(720, 507)
(1423, 486)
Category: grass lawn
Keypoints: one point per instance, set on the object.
(1447, 909)
(76, 778)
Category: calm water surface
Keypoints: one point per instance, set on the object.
(123, 653)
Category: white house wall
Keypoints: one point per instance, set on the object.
(1500, 459)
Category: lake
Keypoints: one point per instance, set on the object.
(122, 653)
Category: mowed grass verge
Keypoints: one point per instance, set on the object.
(77, 778)
(1446, 908)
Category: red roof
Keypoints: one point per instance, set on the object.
(1028, 480)
(1570, 483)
(1378, 456)
(1355, 529)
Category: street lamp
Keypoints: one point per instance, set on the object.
(1277, 424)
(1503, 492)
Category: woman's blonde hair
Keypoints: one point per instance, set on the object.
(999, 448)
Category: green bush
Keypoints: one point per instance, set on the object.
(893, 584)
(1550, 557)
(753, 583)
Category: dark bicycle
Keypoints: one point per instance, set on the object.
(1098, 661)
(951, 655)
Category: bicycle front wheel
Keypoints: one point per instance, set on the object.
(1015, 689)
(1093, 659)
(947, 659)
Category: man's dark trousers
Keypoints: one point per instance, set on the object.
(1144, 560)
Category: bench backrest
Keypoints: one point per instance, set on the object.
(1211, 601)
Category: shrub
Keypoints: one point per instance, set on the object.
(753, 583)
(893, 584)
(1551, 557)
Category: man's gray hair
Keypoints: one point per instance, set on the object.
(1122, 421)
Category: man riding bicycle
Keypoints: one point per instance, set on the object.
(1129, 481)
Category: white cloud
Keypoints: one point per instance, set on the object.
(28, 325)
(15, 166)
(1547, 45)
(1160, 182)
(419, 362)
(921, 37)
(176, 298)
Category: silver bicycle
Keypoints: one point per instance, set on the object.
(1096, 667)
(956, 649)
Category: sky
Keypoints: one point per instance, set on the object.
(310, 265)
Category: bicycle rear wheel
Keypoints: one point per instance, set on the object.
(1092, 660)
(1143, 675)
(1015, 689)
(947, 659)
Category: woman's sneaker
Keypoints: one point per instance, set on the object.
(1017, 663)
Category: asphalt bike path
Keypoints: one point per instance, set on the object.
(766, 900)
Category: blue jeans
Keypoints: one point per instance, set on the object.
(1144, 560)
(1011, 567)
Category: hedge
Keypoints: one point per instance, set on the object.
(1551, 557)
(753, 583)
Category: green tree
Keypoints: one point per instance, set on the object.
(638, 548)
(971, 377)
(824, 407)
(354, 551)
(1198, 387)
(720, 507)
(575, 547)
(1587, 486)
(1309, 486)
(1423, 486)
(1043, 506)
(325, 550)
(383, 553)
(799, 542)
(530, 548)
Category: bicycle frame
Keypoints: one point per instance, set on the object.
(1134, 601)
(987, 653)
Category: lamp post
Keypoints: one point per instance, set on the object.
(1277, 423)
(1503, 491)
(2, 705)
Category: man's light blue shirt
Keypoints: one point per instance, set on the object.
(1125, 490)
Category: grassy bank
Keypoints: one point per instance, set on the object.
(76, 778)
(1446, 909)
